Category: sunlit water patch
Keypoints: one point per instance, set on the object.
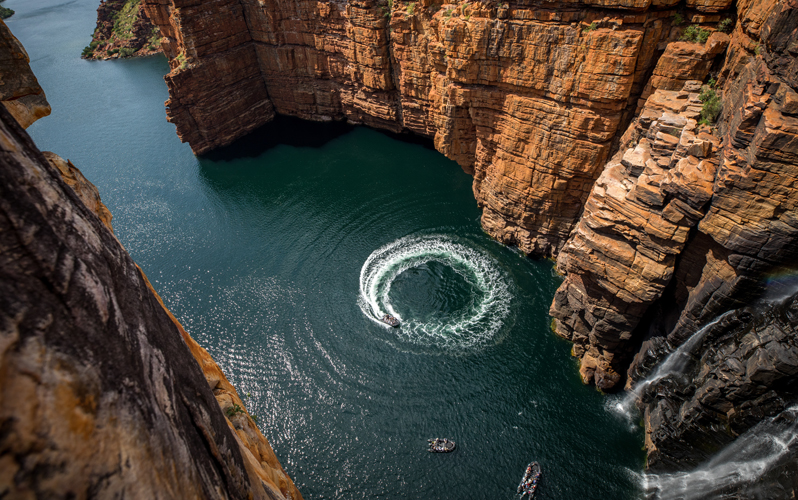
(476, 323)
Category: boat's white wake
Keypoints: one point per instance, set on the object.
(474, 326)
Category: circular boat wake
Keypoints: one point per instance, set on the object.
(477, 323)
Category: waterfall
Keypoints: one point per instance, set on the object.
(742, 462)
(675, 362)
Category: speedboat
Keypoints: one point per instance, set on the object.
(439, 445)
(530, 481)
(390, 320)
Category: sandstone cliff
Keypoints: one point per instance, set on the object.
(123, 30)
(19, 90)
(635, 268)
(102, 392)
(526, 96)
(590, 128)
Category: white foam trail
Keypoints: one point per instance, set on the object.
(475, 326)
(675, 362)
(742, 462)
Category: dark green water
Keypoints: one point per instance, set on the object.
(261, 257)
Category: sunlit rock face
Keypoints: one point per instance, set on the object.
(102, 392)
(636, 222)
(659, 253)
(578, 122)
(527, 97)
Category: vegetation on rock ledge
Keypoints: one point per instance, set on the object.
(5, 12)
(695, 33)
(123, 30)
(711, 103)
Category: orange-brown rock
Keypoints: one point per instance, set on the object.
(102, 393)
(636, 221)
(684, 61)
(20, 92)
(255, 448)
(612, 298)
(86, 191)
(528, 98)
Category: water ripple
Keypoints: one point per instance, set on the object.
(475, 325)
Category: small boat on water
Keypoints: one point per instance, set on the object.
(439, 445)
(390, 320)
(530, 481)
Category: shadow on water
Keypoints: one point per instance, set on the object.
(293, 131)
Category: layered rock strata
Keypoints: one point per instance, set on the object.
(620, 289)
(528, 97)
(20, 92)
(123, 30)
(636, 222)
(102, 391)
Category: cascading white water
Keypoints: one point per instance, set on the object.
(742, 462)
(479, 323)
(675, 362)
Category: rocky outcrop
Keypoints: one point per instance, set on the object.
(86, 191)
(636, 222)
(745, 371)
(748, 363)
(123, 30)
(631, 277)
(103, 393)
(684, 61)
(19, 90)
(586, 126)
(528, 97)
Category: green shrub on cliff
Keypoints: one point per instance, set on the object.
(410, 8)
(181, 60)
(126, 51)
(695, 34)
(5, 12)
(711, 105)
(234, 410)
(726, 25)
(125, 18)
(590, 27)
(88, 51)
(678, 19)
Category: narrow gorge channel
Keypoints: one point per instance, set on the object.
(583, 214)
(259, 255)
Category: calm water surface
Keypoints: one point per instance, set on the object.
(278, 262)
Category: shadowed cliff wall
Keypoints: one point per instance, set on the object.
(102, 391)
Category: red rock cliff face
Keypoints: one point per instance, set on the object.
(528, 97)
(20, 92)
(651, 258)
(532, 99)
